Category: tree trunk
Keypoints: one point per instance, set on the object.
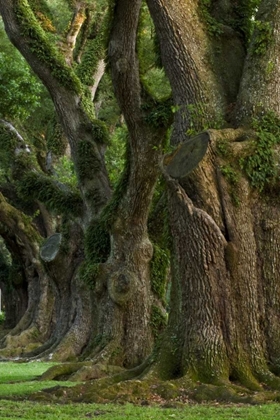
(123, 289)
(259, 90)
(221, 328)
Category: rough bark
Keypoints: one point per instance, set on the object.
(216, 332)
(67, 95)
(123, 292)
(203, 81)
(259, 90)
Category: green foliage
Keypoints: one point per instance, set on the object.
(2, 318)
(200, 121)
(60, 14)
(43, 14)
(5, 256)
(93, 53)
(159, 267)
(223, 148)
(230, 174)
(157, 83)
(97, 250)
(115, 154)
(109, 213)
(43, 49)
(14, 157)
(97, 238)
(53, 194)
(213, 27)
(64, 169)
(245, 11)
(263, 37)
(259, 163)
(19, 89)
(8, 144)
(5, 263)
(108, 109)
(95, 47)
(158, 113)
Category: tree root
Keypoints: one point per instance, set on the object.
(127, 386)
(17, 345)
(142, 385)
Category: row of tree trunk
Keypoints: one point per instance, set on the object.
(224, 234)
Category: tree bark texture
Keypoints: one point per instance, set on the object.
(123, 291)
(67, 95)
(259, 90)
(222, 326)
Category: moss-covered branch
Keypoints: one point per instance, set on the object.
(56, 196)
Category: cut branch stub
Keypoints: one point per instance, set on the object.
(187, 156)
(50, 247)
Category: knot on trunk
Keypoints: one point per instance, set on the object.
(120, 286)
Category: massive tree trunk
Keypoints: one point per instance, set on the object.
(259, 90)
(123, 291)
(122, 331)
(223, 310)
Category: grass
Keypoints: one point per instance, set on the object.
(18, 380)
(31, 411)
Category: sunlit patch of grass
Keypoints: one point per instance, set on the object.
(19, 379)
(14, 372)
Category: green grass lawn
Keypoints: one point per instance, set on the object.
(38, 411)
(17, 380)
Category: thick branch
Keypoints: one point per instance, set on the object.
(67, 94)
(78, 19)
(260, 89)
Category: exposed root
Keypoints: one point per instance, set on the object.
(120, 389)
(17, 345)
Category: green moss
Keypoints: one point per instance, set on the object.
(97, 250)
(56, 142)
(8, 144)
(94, 52)
(88, 164)
(223, 148)
(258, 161)
(159, 266)
(89, 272)
(43, 14)
(233, 177)
(213, 26)
(63, 201)
(97, 242)
(110, 211)
(158, 114)
(263, 37)
(244, 10)
(97, 238)
(158, 320)
(45, 52)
